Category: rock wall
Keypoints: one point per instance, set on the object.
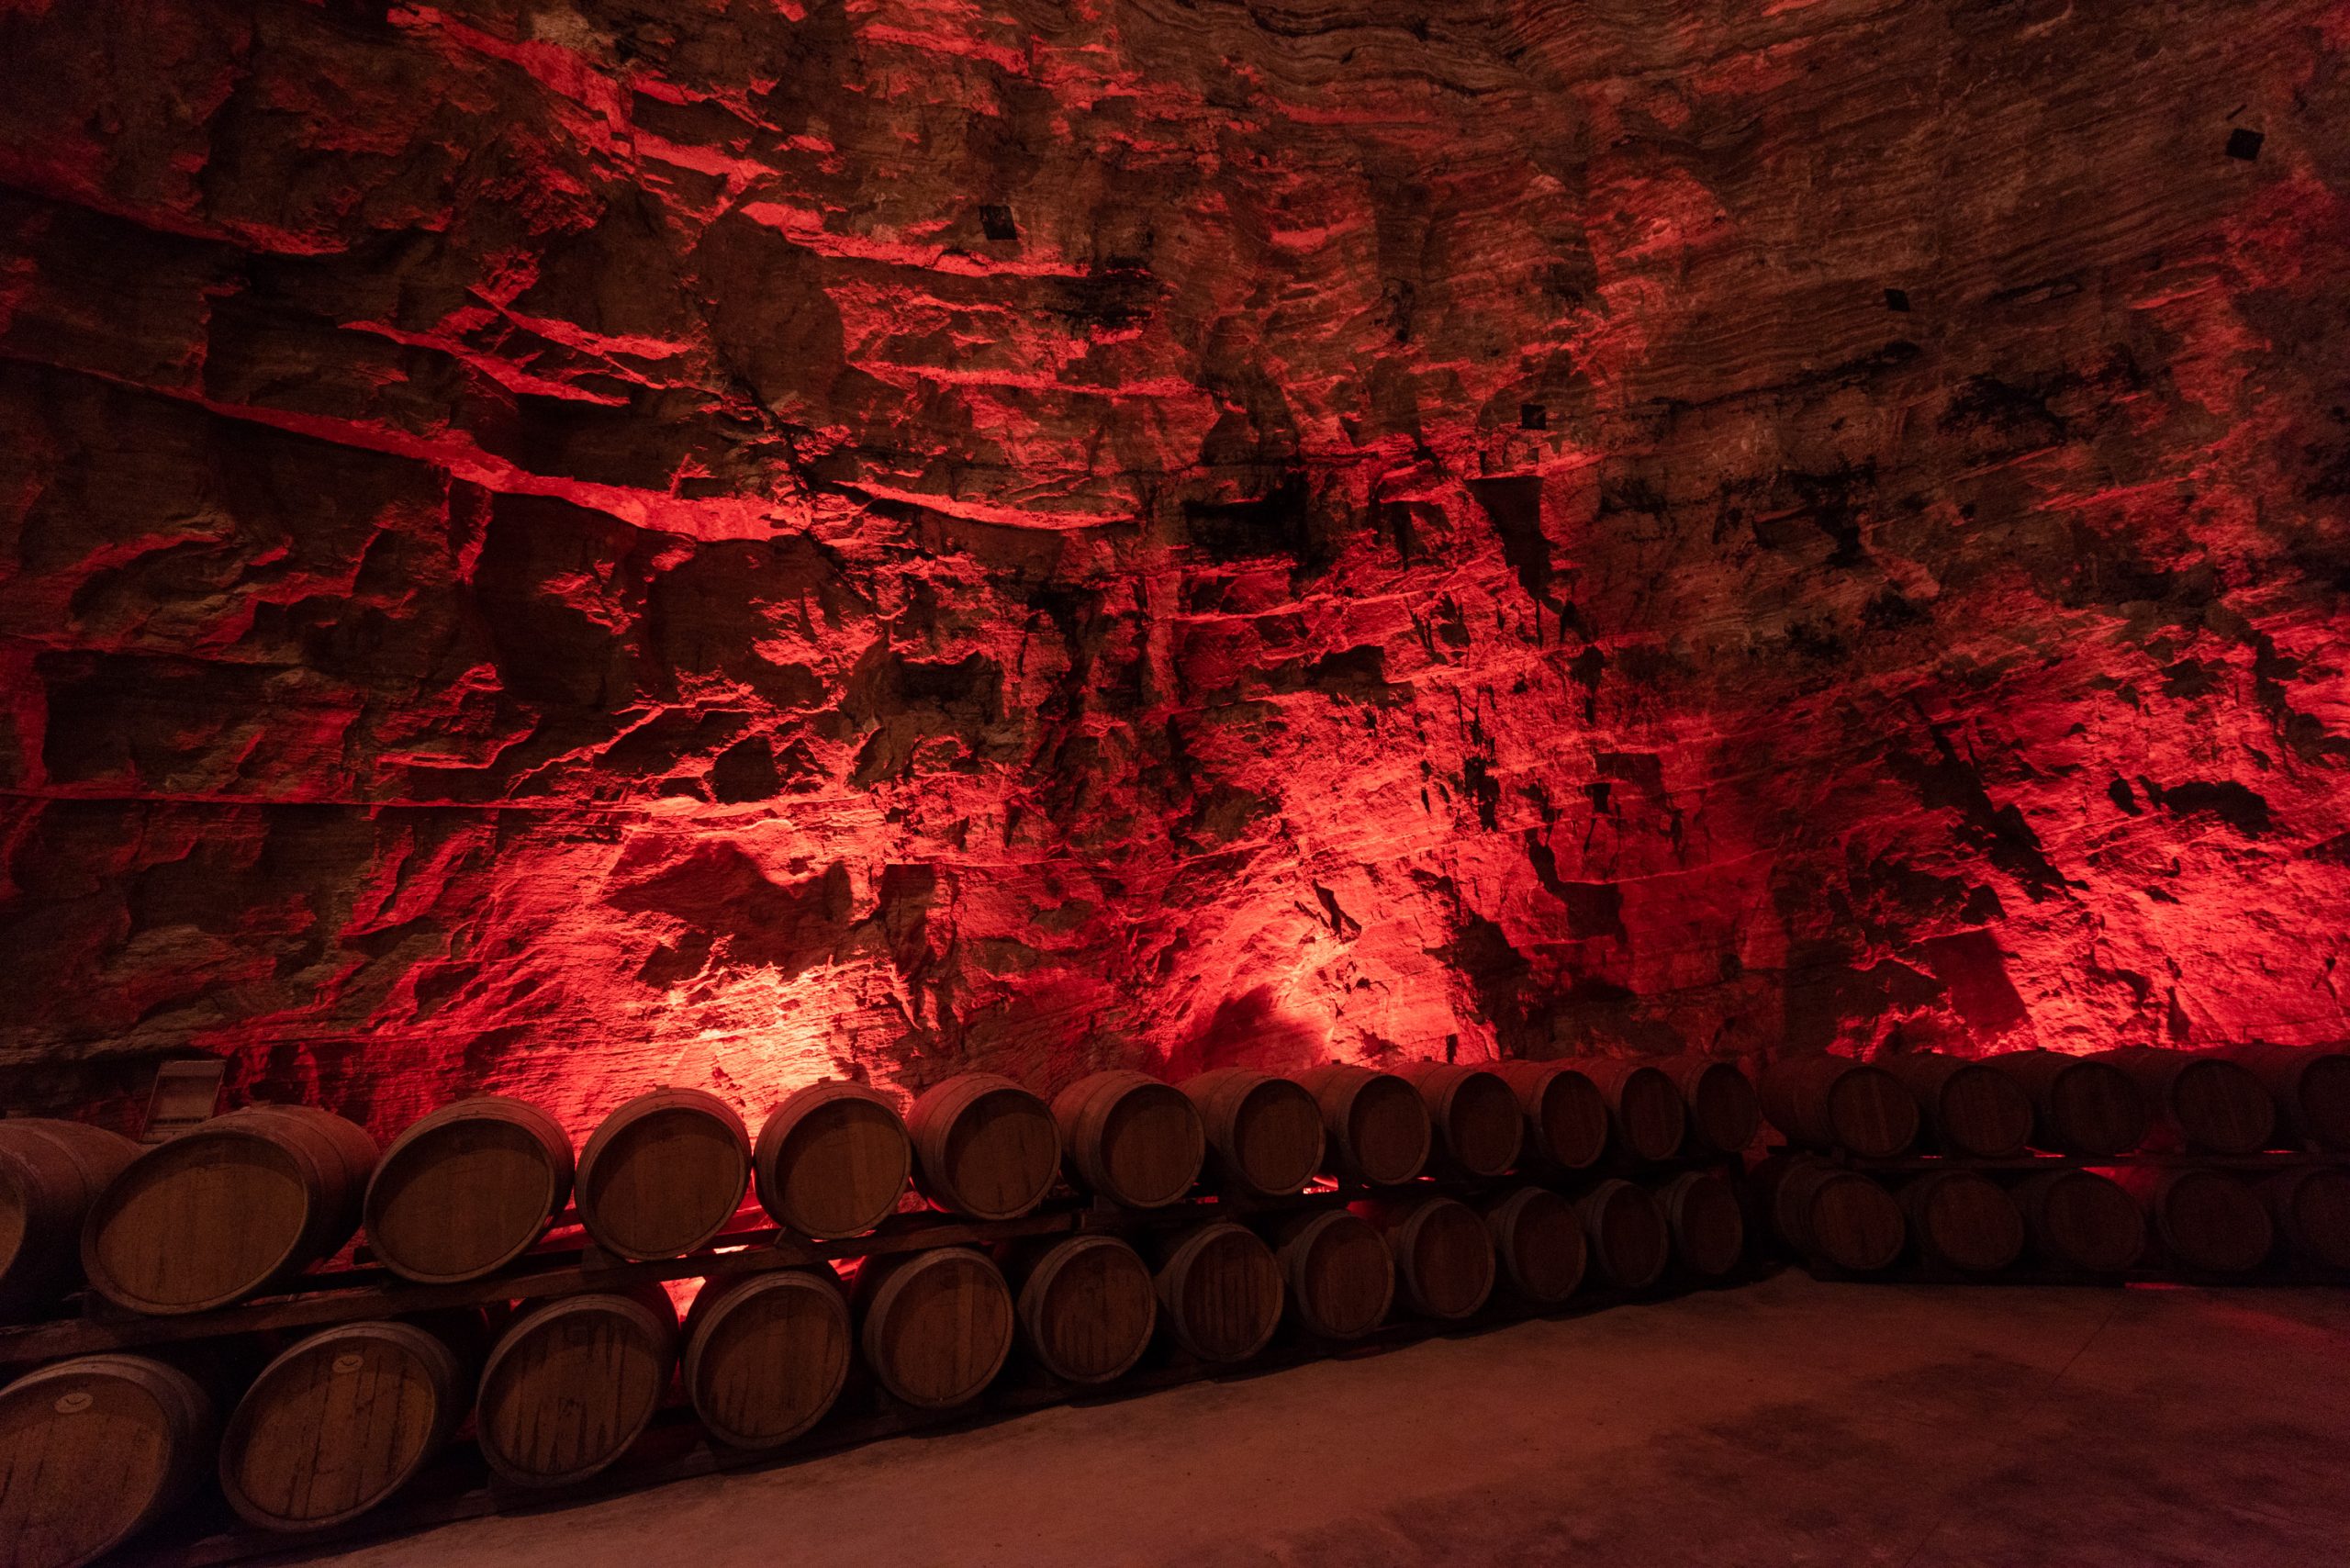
(553, 545)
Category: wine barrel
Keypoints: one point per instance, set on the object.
(2080, 1105)
(1831, 1102)
(339, 1423)
(1831, 1216)
(226, 1209)
(1645, 1110)
(467, 1190)
(1964, 1221)
(1629, 1238)
(1339, 1276)
(1130, 1138)
(93, 1451)
(1968, 1108)
(936, 1325)
(1707, 1223)
(1479, 1129)
(2200, 1102)
(50, 1174)
(570, 1387)
(663, 1174)
(1220, 1289)
(1444, 1255)
(983, 1147)
(832, 1161)
(1264, 1134)
(2311, 1209)
(1725, 1112)
(1537, 1236)
(767, 1354)
(2311, 1086)
(1566, 1115)
(1087, 1305)
(1377, 1130)
(2079, 1220)
(2208, 1221)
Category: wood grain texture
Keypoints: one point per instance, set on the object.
(221, 1212)
(1967, 1107)
(1537, 1239)
(2080, 1105)
(92, 1451)
(338, 1423)
(1839, 1217)
(1964, 1221)
(1130, 1138)
(663, 1173)
(52, 1172)
(1831, 1102)
(936, 1326)
(1566, 1115)
(1629, 1243)
(1707, 1222)
(1086, 1307)
(1339, 1276)
(832, 1161)
(2078, 1219)
(983, 1147)
(1479, 1129)
(2311, 1086)
(1444, 1256)
(1646, 1112)
(1220, 1291)
(1264, 1133)
(570, 1387)
(1725, 1111)
(2204, 1103)
(2311, 1211)
(1377, 1127)
(465, 1191)
(2208, 1221)
(766, 1355)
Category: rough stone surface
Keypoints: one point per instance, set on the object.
(556, 544)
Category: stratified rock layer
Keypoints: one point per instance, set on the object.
(555, 547)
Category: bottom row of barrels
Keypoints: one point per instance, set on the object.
(92, 1450)
(2204, 1221)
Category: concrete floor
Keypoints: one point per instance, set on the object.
(1789, 1422)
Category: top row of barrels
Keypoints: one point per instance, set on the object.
(2110, 1103)
(250, 1199)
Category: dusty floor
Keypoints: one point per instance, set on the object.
(1789, 1422)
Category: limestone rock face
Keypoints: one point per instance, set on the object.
(553, 545)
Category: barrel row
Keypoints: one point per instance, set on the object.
(92, 1450)
(250, 1199)
(2110, 1103)
(2192, 1219)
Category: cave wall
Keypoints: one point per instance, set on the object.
(555, 545)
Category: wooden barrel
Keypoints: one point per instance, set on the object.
(1130, 1138)
(1968, 1108)
(1964, 1221)
(93, 1451)
(226, 1209)
(1264, 1134)
(50, 1174)
(1566, 1115)
(832, 1161)
(2080, 1105)
(1538, 1237)
(2208, 1221)
(569, 1386)
(1376, 1128)
(767, 1354)
(2079, 1220)
(2200, 1101)
(1629, 1242)
(467, 1190)
(1086, 1307)
(663, 1174)
(936, 1325)
(983, 1147)
(1645, 1110)
(339, 1423)
(1444, 1255)
(2311, 1086)
(1832, 1215)
(1339, 1276)
(1725, 1112)
(1831, 1102)
(1220, 1291)
(1708, 1225)
(2310, 1207)
(1479, 1129)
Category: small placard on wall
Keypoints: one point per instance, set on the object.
(185, 1093)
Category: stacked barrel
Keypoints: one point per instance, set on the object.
(2196, 1165)
(908, 1260)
